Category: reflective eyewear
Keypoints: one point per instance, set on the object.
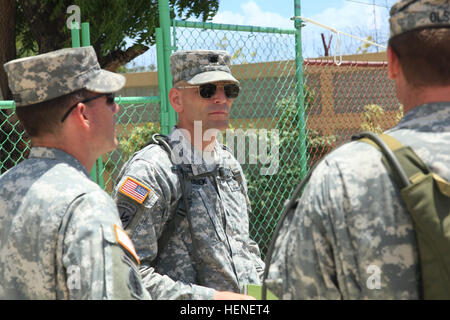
(109, 100)
(208, 90)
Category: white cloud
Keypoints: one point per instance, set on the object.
(253, 16)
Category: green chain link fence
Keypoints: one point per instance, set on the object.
(302, 121)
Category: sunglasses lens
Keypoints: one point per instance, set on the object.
(231, 91)
(207, 90)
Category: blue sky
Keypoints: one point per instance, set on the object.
(361, 18)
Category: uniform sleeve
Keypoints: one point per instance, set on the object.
(144, 221)
(303, 263)
(98, 258)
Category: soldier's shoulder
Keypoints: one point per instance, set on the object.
(152, 153)
(151, 161)
(352, 153)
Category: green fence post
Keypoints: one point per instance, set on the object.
(163, 112)
(300, 93)
(97, 170)
(75, 32)
(165, 52)
(85, 34)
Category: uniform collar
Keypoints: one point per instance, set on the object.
(59, 155)
(431, 116)
(201, 162)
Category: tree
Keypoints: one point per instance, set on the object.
(29, 27)
(40, 26)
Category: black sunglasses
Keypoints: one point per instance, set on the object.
(208, 90)
(109, 100)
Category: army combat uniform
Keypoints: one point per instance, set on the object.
(351, 236)
(218, 252)
(61, 235)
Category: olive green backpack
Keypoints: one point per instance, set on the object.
(427, 197)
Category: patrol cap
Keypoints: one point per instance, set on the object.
(201, 66)
(57, 73)
(407, 15)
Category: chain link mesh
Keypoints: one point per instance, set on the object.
(338, 102)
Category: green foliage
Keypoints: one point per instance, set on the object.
(373, 118)
(140, 136)
(111, 21)
(364, 48)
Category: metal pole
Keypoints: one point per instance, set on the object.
(230, 27)
(85, 34)
(97, 171)
(163, 94)
(300, 93)
(164, 22)
(75, 32)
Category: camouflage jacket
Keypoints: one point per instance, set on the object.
(60, 234)
(351, 236)
(223, 256)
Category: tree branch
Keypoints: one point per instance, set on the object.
(118, 58)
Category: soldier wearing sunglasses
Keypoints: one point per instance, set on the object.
(188, 211)
(61, 236)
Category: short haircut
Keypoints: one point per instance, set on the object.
(45, 117)
(424, 56)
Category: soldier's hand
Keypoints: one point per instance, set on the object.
(228, 295)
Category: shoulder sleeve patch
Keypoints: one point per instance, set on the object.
(125, 242)
(134, 189)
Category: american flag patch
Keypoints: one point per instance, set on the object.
(135, 190)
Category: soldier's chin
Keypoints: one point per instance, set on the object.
(220, 125)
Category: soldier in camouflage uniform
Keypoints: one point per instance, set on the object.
(209, 254)
(351, 236)
(60, 233)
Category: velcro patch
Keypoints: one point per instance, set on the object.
(135, 190)
(126, 212)
(125, 241)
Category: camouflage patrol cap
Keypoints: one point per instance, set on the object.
(57, 73)
(201, 66)
(407, 15)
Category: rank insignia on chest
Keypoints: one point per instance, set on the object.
(135, 190)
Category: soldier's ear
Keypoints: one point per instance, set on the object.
(81, 115)
(175, 99)
(394, 67)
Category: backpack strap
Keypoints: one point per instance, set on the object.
(427, 198)
(185, 176)
(170, 226)
(387, 145)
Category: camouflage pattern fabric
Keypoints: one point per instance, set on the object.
(351, 236)
(59, 234)
(224, 257)
(201, 66)
(407, 15)
(57, 73)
